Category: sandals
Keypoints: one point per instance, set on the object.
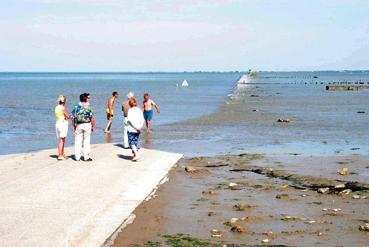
(63, 157)
(60, 158)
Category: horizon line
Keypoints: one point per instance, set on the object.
(193, 71)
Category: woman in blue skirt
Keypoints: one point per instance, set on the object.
(135, 123)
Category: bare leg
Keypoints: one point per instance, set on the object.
(61, 147)
(63, 144)
(134, 151)
(63, 154)
(148, 125)
(107, 129)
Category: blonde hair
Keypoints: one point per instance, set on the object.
(132, 102)
(61, 99)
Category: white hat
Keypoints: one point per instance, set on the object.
(130, 95)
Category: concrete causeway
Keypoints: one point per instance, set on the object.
(45, 202)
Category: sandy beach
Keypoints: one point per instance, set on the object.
(215, 203)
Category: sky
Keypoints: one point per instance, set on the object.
(183, 35)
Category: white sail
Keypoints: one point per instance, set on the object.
(185, 83)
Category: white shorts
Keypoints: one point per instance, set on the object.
(61, 127)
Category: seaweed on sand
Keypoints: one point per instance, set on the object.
(182, 240)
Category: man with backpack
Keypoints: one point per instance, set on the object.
(83, 122)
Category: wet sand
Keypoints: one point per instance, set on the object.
(209, 210)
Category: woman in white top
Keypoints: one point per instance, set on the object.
(135, 122)
(61, 125)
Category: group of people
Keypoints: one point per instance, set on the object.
(83, 122)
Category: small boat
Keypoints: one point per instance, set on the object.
(244, 79)
(185, 83)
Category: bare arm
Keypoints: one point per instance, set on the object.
(156, 106)
(74, 124)
(66, 113)
(137, 129)
(92, 123)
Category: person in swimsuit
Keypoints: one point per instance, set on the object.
(148, 104)
(110, 111)
(61, 125)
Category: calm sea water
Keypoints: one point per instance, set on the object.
(211, 116)
(27, 101)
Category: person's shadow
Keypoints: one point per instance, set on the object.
(125, 157)
(119, 145)
(54, 156)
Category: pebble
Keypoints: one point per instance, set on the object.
(238, 229)
(311, 222)
(340, 186)
(358, 197)
(265, 240)
(345, 192)
(332, 209)
(192, 169)
(210, 192)
(284, 120)
(282, 196)
(241, 207)
(211, 213)
(343, 172)
(233, 220)
(323, 190)
(285, 186)
(232, 185)
(288, 217)
(364, 227)
(269, 233)
(321, 234)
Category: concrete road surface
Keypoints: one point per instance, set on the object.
(45, 202)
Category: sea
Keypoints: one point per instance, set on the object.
(212, 116)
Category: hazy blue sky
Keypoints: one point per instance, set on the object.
(178, 35)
